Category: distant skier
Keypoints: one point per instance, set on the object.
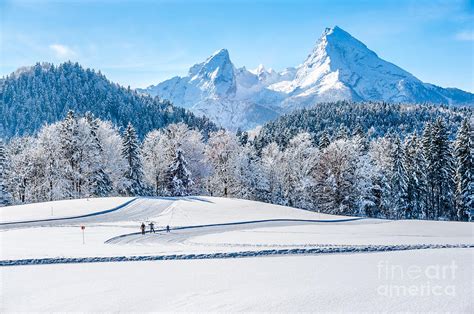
(152, 227)
(143, 227)
(168, 228)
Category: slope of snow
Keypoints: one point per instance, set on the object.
(59, 209)
(367, 232)
(196, 266)
(205, 225)
(324, 283)
(340, 67)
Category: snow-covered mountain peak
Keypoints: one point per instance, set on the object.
(343, 67)
(215, 77)
(340, 67)
(219, 60)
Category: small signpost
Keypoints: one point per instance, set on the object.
(83, 238)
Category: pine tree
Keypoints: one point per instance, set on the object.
(342, 133)
(324, 140)
(443, 172)
(416, 186)
(358, 131)
(134, 171)
(463, 151)
(399, 182)
(180, 177)
(5, 196)
(243, 137)
(428, 171)
(361, 138)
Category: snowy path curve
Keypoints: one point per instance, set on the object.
(103, 212)
(241, 254)
(194, 230)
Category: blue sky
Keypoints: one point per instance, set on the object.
(138, 43)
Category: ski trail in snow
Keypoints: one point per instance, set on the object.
(241, 254)
(180, 234)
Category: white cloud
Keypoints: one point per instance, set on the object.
(465, 36)
(62, 51)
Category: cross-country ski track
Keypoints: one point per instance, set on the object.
(221, 254)
(212, 220)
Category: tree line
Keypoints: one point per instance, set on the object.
(423, 175)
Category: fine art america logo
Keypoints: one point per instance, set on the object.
(415, 280)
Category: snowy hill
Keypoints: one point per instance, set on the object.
(340, 67)
(200, 224)
(199, 265)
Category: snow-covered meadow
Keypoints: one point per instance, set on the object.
(295, 260)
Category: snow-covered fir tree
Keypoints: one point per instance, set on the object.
(247, 173)
(324, 140)
(416, 185)
(342, 133)
(463, 151)
(443, 171)
(429, 171)
(133, 183)
(399, 182)
(180, 180)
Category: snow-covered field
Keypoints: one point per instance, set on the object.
(204, 228)
(59, 209)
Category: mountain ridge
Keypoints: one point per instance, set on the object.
(340, 67)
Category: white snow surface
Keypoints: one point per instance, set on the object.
(59, 209)
(217, 231)
(324, 283)
(217, 225)
(340, 67)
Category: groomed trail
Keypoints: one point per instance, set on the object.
(192, 217)
(185, 232)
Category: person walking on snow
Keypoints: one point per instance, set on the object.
(152, 227)
(143, 227)
(168, 228)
